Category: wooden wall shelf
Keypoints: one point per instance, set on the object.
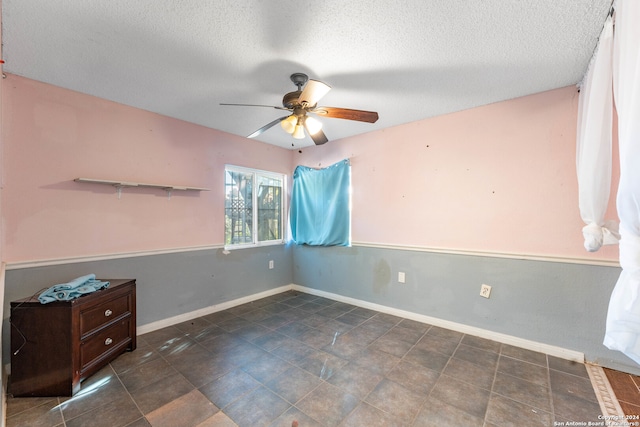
(119, 185)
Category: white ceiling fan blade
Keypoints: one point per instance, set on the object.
(312, 92)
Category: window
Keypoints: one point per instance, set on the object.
(254, 207)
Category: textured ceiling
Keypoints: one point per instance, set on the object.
(407, 60)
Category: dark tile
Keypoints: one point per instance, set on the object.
(523, 391)
(524, 355)
(328, 403)
(363, 312)
(504, 412)
(188, 410)
(377, 360)
(132, 359)
(363, 335)
(470, 373)
(571, 385)
(310, 307)
(416, 378)
(415, 325)
(194, 325)
(292, 351)
(525, 370)
(445, 333)
(270, 340)
(334, 327)
(482, 343)
(229, 387)
(241, 354)
(252, 331)
(274, 322)
(43, 413)
(160, 336)
(321, 364)
(276, 308)
(119, 412)
(333, 311)
(223, 344)
(407, 335)
(355, 379)
(256, 315)
(233, 324)
(206, 334)
(351, 319)
(568, 366)
(175, 346)
(16, 405)
(219, 317)
(293, 329)
(103, 383)
(266, 367)
(220, 419)
(316, 338)
(161, 392)
(294, 414)
(436, 413)
(394, 399)
(441, 345)
(483, 358)
(346, 347)
(315, 320)
(294, 314)
(391, 345)
(427, 359)
(471, 399)
(293, 384)
(239, 310)
(367, 415)
(200, 371)
(258, 408)
(574, 408)
(388, 319)
(146, 374)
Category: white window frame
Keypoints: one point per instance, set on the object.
(256, 173)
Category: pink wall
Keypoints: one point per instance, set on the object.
(499, 178)
(52, 136)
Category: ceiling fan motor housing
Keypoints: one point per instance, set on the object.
(290, 100)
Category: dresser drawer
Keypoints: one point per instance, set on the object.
(105, 341)
(106, 312)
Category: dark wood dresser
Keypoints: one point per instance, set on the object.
(55, 346)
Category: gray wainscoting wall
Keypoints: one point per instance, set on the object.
(553, 303)
(167, 285)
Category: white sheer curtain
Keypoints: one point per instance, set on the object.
(623, 318)
(593, 152)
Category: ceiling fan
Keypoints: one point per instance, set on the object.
(304, 101)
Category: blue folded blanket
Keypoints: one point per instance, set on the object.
(73, 289)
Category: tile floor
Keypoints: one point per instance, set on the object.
(627, 390)
(296, 356)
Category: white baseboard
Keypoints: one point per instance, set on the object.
(560, 352)
(170, 321)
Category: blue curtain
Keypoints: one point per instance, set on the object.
(319, 213)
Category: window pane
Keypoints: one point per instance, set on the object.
(269, 201)
(238, 209)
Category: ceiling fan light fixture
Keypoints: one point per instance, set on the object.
(289, 124)
(313, 125)
(298, 133)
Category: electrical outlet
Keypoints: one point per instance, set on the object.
(270, 264)
(401, 277)
(485, 291)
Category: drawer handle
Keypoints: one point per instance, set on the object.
(108, 341)
(108, 313)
